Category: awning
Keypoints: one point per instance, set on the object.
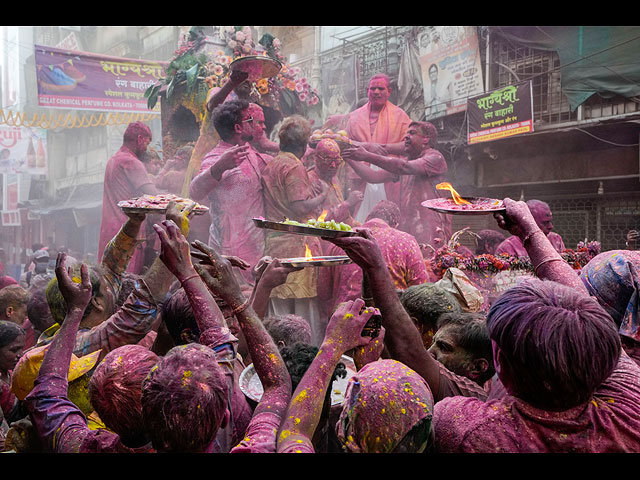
(593, 59)
(80, 197)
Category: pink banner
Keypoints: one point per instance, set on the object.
(86, 81)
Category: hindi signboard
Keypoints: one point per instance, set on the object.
(451, 69)
(86, 81)
(501, 113)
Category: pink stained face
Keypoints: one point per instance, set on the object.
(378, 92)
(11, 353)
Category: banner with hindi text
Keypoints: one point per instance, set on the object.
(502, 113)
(76, 80)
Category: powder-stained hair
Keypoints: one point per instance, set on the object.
(57, 304)
(557, 345)
(115, 389)
(386, 210)
(426, 302)
(9, 331)
(38, 311)
(289, 329)
(134, 129)
(427, 129)
(184, 399)
(470, 332)
(227, 115)
(294, 132)
(13, 296)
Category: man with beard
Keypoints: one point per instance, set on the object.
(231, 177)
(125, 177)
(420, 169)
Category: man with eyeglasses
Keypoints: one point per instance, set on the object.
(231, 178)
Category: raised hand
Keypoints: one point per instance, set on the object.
(346, 325)
(362, 248)
(75, 291)
(174, 250)
(517, 219)
(217, 272)
(180, 217)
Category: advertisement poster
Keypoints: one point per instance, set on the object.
(501, 113)
(451, 69)
(23, 150)
(339, 90)
(10, 195)
(87, 81)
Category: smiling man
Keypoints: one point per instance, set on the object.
(377, 123)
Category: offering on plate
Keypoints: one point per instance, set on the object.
(314, 226)
(158, 204)
(256, 66)
(463, 205)
(341, 137)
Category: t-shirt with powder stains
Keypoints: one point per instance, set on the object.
(261, 434)
(608, 423)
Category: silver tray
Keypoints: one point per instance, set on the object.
(257, 66)
(493, 205)
(196, 211)
(320, 261)
(251, 385)
(301, 230)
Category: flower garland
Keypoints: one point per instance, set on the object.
(446, 257)
(288, 90)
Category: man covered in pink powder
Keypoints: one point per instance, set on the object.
(420, 168)
(401, 252)
(541, 212)
(231, 177)
(377, 123)
(125, 177)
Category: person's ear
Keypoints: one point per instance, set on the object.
(98, 303)
(225, 419)
(8, 312)
(477, 367)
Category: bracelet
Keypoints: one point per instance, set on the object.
(546, 260)
(182, 282)
(528, 237)
(241, 308)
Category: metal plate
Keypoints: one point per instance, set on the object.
(251, 385)
(159, 209)
(257, 66)
(320, 261)
(479, 206)
(301, 230)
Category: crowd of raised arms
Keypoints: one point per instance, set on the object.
(162, 353)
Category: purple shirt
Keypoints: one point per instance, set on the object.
(513, 245)
(609, 422)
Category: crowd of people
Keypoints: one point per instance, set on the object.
(148, 353)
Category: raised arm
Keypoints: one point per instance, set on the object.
(176, 255)
(547, 262)
(51, 412)
(402, 339)
(344, 332)
(264, 353)
(269, 274)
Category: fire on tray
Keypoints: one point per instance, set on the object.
(456, 198)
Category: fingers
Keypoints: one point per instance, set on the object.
(162, 233)
(61, 261)
(84, 276)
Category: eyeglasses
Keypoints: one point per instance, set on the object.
(249, 119)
